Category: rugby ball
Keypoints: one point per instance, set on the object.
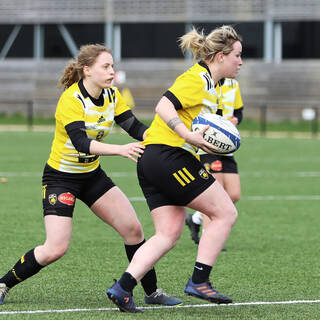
(222, 133)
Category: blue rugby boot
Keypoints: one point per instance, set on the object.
(205, 291)
(123, 299)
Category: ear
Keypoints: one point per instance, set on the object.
(220, 56)
(87, 71)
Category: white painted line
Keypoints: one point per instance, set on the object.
(208, 305)
(283, 198)
(261, 198)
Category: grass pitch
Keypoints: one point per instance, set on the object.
(273, 251)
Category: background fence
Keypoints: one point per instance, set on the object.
(280, 87)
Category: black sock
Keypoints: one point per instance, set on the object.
(201, 273)
(25, 268)
(149, 281)
(127, 282)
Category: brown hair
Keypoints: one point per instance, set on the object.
(205, 47)
(87, 56)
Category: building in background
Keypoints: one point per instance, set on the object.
(37, 37)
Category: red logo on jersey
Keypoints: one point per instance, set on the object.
(216, 165)
(67, 198)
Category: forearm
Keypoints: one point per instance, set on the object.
(104, 149)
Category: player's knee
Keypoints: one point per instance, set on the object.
(227, 215)
(232, 215)
(133, 232)
(235, 197)
(56, 253)
(172, 237)
(168, 238)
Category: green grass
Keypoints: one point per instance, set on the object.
(273, 250)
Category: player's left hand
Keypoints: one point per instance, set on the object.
(234, 120)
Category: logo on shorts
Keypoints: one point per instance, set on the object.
(216, 165)
(207, 166)
(67, 198)
(203, 174)
(52, 198)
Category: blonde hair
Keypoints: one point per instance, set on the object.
(205, 47)
(87, 56)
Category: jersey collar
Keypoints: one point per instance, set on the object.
(204, 65)
(98, 102)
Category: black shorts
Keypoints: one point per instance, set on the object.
(219, 164)
(60, 189)
(171, 176)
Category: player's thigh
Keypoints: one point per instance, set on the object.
(214, 202)
(169, 220)
(58, 230)
(114, 208)
(219, 177)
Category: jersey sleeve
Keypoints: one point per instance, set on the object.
(238, 103)
(70, 109)
(186, 91)
(121, 104)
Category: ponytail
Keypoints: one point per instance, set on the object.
(205, 47)
(70, 75)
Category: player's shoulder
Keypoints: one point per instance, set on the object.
(194, 75)
(71, 95)
(112, 88)
(232, 83)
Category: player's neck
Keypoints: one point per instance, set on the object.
(214, 70)
(93, 90)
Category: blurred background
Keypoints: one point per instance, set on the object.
(279, 80)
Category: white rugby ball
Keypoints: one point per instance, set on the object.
(222, 133)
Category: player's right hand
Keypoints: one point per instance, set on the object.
(132, 151)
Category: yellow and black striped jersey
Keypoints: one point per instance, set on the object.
(193, 93)
(230, 98)
(75, 104)
(230, 101)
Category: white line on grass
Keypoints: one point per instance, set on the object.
(208, 305)
(260, 198)
(274, 198)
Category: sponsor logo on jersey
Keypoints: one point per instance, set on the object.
(203, 174)
(101, 119)
(52, 198)
(67, 198)
(216, 165)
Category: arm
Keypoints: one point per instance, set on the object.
(237, 116)
(128, 122)
(80, 140)
(130, 150)
(166, 111)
